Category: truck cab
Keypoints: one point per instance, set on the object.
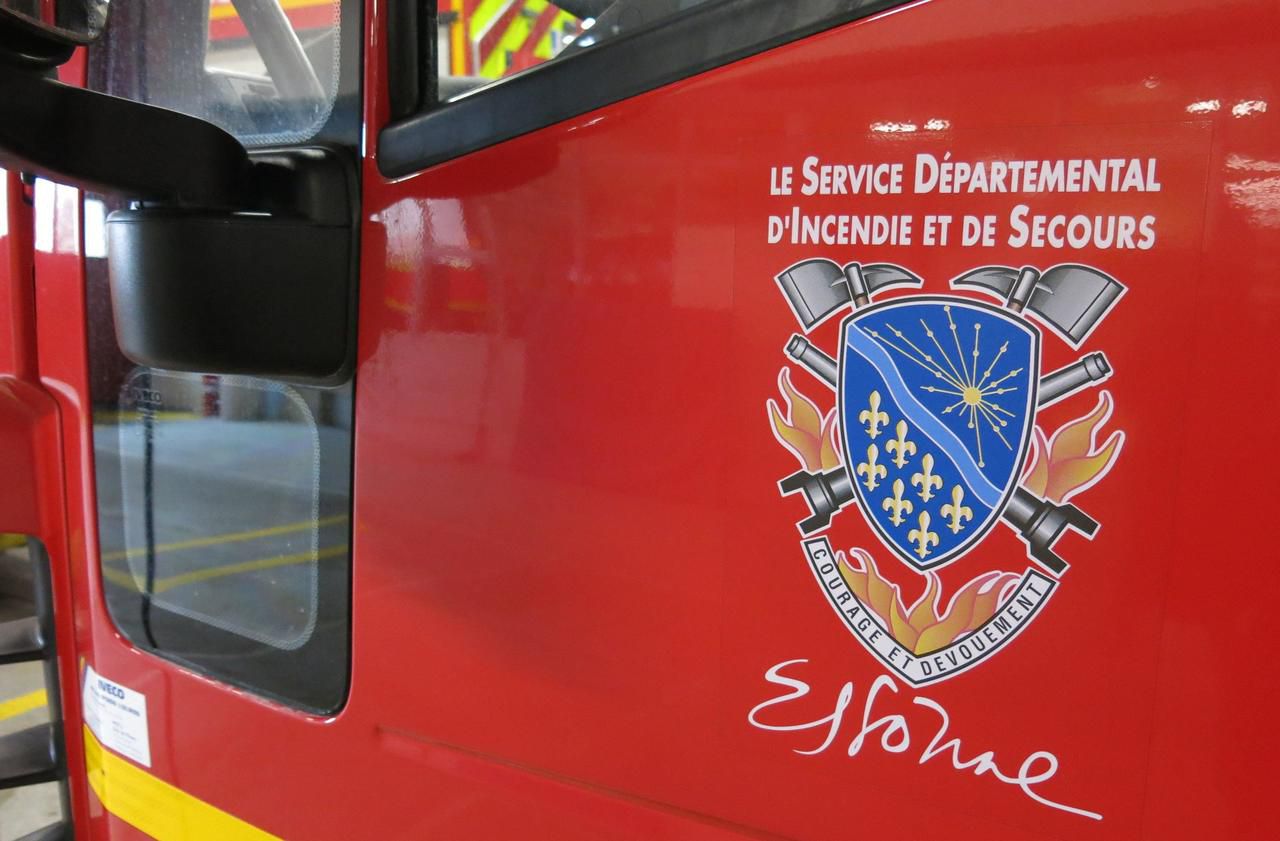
(698, 419)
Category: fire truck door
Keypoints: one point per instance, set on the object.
(766, 420)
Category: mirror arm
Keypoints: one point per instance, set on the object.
(107, 144)
(26, 47)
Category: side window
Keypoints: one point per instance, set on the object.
(483, 42)
(224, 501)
(217, 502)
(501, 68)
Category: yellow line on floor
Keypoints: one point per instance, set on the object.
(108, 417)
(15, 707)
(120, 577)
(228, 537)
(125, 579)
(247, 566)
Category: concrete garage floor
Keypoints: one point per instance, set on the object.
(22, 705)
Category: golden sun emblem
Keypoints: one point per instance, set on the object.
(967, 380)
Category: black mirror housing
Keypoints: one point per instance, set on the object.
(261, 294)
(67, 23)
(230, 262)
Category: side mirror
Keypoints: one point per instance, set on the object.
(264, 294)
(73, 22)
(229, 262)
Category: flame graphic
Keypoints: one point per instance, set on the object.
(1071, 460)
(804, 430)
(921, 629)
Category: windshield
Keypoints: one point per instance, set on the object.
(265, 70)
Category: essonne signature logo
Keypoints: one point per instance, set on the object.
(894, 733)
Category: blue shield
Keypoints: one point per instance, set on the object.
(937, 400)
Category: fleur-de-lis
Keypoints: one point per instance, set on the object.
(897, 505)
(900, 446)
(925, 479)
(872, 416)
(871, 472)
(955, 512)
(922, 537)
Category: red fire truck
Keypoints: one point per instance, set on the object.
(637, 419)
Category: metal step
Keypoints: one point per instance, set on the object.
(21, 641)
(28, 757)
(60, 831)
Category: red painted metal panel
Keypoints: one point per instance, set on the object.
(17, 323)
(572, 566)
(32, 495)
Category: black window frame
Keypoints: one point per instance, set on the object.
(424, 132)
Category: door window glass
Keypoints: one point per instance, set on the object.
(482, 42)
(504, 68)
(213, 501)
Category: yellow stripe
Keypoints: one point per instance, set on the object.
(229, 537)
(458, 42)
(126, 579)
(15, 707)
(544, 50)
(229, 11)
(151, 805)
(512, 40)
(484, 15)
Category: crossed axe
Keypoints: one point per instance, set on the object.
(1071, 299)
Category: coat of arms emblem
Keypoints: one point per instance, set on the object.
(935, 414)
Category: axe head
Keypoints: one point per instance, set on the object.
(1073, 299)
(814, 289)
(819, 287)
(994, 280)
(883, 275)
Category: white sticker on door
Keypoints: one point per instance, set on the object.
(117, 715)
